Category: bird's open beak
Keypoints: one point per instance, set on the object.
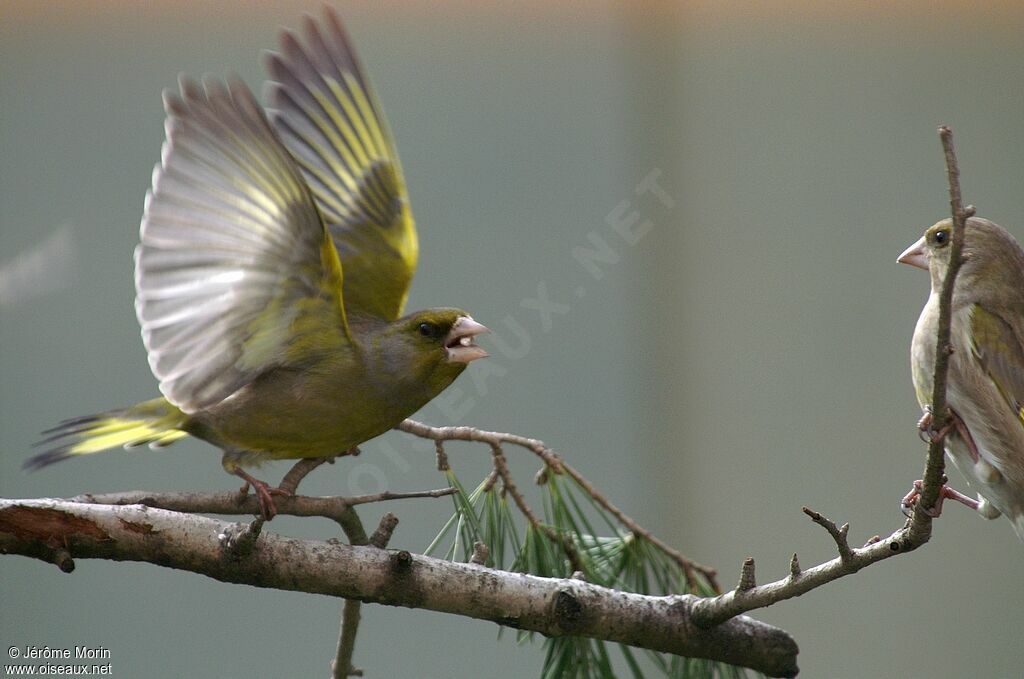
(915, 255)
(459, 342)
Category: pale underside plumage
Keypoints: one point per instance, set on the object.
(325, 111)
(986, 391)
(235, 264)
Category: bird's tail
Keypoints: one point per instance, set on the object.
(1018, 525)
(155, 422)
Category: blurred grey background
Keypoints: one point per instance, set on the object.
(747, 355)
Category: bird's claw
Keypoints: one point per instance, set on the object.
(264, 493)
(945, 492)
(910, 499)
(927, 432)
(265, 498)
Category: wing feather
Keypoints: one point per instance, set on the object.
(327, 115)
(235, 264)
(1001, 355)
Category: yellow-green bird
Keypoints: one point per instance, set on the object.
(275, 261)
(985, 390)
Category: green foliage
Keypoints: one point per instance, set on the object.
(606, 554)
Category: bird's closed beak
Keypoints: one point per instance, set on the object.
(915, 255)
(459, 341)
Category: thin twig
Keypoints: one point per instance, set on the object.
(332, 507)
(388, 495)
(748, 579)
(934, 471)
(554, 462)
(347, 641)
(712, 611)
(509, 484)
(299, 471)
(427, 431)
(442, 456)
(839, 533)
(480, 554)
(303, 467)
(382, 536)
(689, 566)
(239, 540)
(917, 531)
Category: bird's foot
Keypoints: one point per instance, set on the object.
(263, 491)
(927, 431)
(929, 434)
(945, 492)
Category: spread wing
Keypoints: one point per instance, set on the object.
(235, 272)
(999, 350)
(324, 110)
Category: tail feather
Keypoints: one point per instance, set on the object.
(155, 422)
(71, 423)
(1018, 525)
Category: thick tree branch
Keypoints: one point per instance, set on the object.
(39, 528)
(917, 530)
(340, 509)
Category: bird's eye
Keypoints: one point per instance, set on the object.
(429, 330)
(941, 237)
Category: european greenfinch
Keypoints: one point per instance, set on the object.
(275, 260)
(985, 438)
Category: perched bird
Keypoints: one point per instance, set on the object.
(275, 260)
(985, 439)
